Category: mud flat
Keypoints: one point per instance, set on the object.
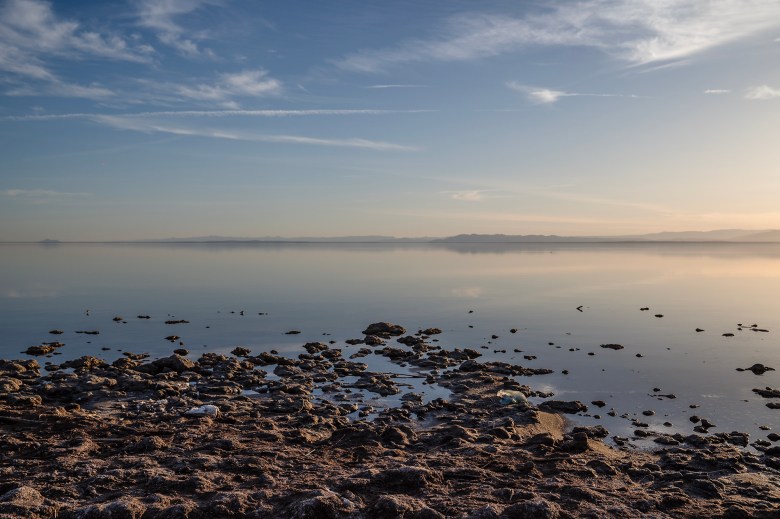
(262, 435)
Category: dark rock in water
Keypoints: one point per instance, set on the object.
(88, 332)
(241, 352)
(773, 451)
(353, 342)
(599, 403)
(410, 340)
(533, 509)
(768, 392)
(314, 347)
(43, 349)
(699, 330)
(735, 438)
(384, 329)
(292, 332)
(759, 369)
(513, 330)
(56, 332)
(178, 321)
(181, 351)
(172, 338)
(612, 346)
(773, 437)
(560, 406)
(431, 331)
(648, 413)
(728, 334)
(659, 315)
(144, 317)
(373, 340)
(118, 319)
(644, 308)
(773, 405)
(593, 431)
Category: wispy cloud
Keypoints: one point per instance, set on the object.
(247, 83)
(31, 27)
(31, 34)
(717, 91)
(27, 193)
(160, 16)
(146, 126)
(396, 86)
(213, 113)
(762, 93)
(473, 195)
(59, 88)
(635, 31)
(160, 122)
(557, 192)
(549, 96)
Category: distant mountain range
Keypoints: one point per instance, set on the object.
(723, 235)
(280, 239)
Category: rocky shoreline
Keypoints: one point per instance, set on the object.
(263, 435)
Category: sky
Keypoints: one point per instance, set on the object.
(182, 118)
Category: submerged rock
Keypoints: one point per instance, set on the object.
(384, 329)
(768, 392)
(757, 369)
(560, 406)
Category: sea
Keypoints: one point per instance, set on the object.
(688, 315)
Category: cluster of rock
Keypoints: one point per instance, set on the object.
(219, 437)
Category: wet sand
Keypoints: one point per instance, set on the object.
(221, 437)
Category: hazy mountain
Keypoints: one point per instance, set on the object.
(773, 236)
(724, 235)
(527, 238)
(303, 239)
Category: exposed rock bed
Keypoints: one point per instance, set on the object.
(219, 437)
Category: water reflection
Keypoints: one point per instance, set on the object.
(337, 289)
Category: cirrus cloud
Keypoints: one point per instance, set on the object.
(637, 32)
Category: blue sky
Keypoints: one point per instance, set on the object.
(159, 118)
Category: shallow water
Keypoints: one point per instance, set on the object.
(332, 291)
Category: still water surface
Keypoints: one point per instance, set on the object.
(338, 289)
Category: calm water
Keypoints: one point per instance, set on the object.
(339, 289)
